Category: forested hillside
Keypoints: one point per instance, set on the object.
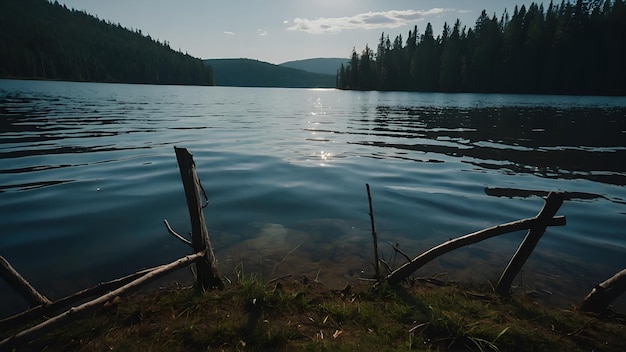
(326, 66)
(44, 40)
(562, 49)
(254, 73)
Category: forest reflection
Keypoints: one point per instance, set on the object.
(548, 142)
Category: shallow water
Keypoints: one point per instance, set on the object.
(88, 173)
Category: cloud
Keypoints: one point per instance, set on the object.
(229, 33)
(261, 32)
(368, 20)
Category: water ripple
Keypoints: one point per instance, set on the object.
(88, 173)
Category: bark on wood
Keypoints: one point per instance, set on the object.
(206, 270)
(13, 278)
(551, 206)
(38, 330)
(58, 305)
(374, 236)
(598, 300)
(409, 268)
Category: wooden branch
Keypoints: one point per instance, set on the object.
(54, 322)
(207, 272)
(20, 284)
(407, 269)
(389, 270)
(551, 206)
(598, 300)
(175, 234)
(374, 236)
(397, 250)
(42, 310)
(279, 278)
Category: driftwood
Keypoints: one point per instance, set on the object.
(598, 300)
(42, 328)
(203, 257)
(43, 310)
(21, 285)
(374, 236)
(207, 272)
(549, 209)
(407, 269)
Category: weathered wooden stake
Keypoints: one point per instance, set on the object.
(598, 300)
(21, 285)
(207, 272)
(374, 236)
(552, 204)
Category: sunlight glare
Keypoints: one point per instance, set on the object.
(324, 157)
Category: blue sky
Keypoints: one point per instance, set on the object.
(283, 30)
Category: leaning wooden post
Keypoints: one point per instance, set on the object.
(21, 285)
(598, 300)
(552, 204)
(207, 273)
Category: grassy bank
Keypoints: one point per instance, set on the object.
(300, 314)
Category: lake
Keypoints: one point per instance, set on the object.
(88, 174)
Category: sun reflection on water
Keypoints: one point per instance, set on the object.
(324, 157)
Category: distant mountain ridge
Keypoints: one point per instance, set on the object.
(327, 66)
(254, 73)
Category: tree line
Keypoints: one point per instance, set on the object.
(44, 40)
(565, 49)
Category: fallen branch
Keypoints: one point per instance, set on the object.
(603, 294)
(407, 269)
(20, 284)
(72, 313)
(549, 209)
(175, 234)
(42, 310)
(279, 278)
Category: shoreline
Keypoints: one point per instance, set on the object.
(297, 314)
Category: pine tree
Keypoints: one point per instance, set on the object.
(425, 63)
(451, 61)
(565, 49)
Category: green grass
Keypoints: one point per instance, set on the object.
(252, 315)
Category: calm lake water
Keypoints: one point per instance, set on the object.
(88, 173)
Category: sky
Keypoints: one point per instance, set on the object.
(277, 31)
